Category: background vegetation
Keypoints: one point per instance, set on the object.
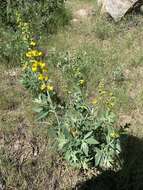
(102, 50)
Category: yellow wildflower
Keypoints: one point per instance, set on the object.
(114, 135)
(34, 69)
(43, 87)
(45, 70)
(41, 77)
(42, 65)
(33, 53)
(35, 64)
(33, 43)
(82, 82)
(46, 78)
(28, 54)
(40, 53)
(50, 88)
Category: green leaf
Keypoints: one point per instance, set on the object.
(88, 135)
(42, 115)
(98, 157)
(85, 148)
(37, 110)
(68, 155)
(74, 158)
(91, 141)
(62, 141)
(85, 165)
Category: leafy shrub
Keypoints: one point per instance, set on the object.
(88, 138)
(87, 135)
(49, 14)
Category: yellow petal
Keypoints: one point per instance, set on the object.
(41, 77)
(50, 88)
(33, 43)
(46, 78)
(34, 69)
(43, 87)
(81, 82)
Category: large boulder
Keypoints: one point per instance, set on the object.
(116, 8)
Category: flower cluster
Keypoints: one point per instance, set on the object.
(39, 68)
(78, 76)
(33, 53)
(33, 59)
(24, 28)
(106, 98)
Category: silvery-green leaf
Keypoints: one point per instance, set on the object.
(91, 141)
(88, 135)
(85, 148)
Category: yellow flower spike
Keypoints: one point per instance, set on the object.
(41, 77)
(43, 87)
(50, 88)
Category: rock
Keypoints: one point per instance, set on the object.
(116, 8)
(141, 9)
(100, 3)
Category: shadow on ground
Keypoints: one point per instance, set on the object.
(130, 177)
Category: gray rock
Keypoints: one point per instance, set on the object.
(141, 9)
(116, 8)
